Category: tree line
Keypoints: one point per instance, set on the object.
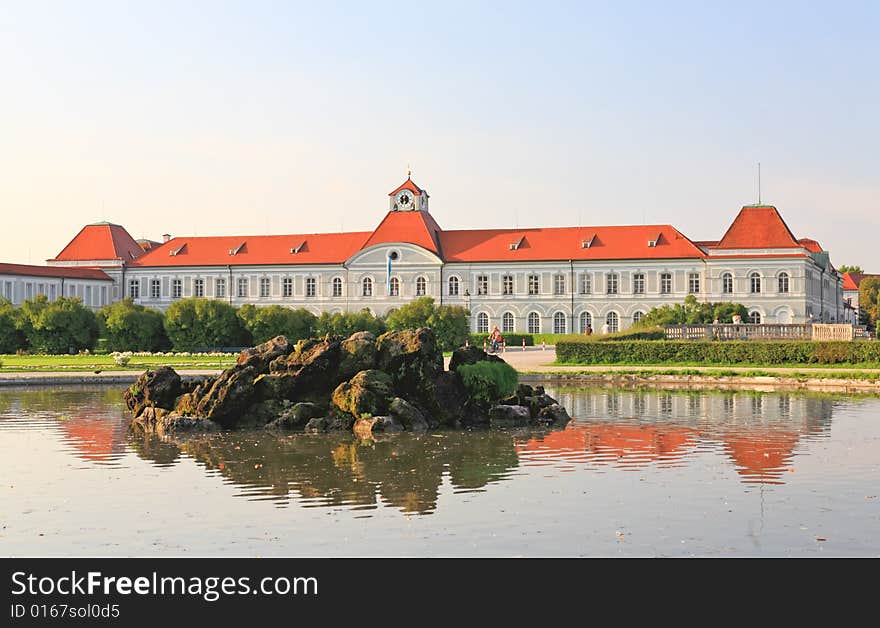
(65, 325)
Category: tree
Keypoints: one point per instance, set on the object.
(869, 299)
(11, 338)
(267, 322)
(850, 269)
(204, 323)
(131, 327)
(58, 326)
(449, 322)
(691, 312)
(345, 324)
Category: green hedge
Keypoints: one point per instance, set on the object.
(729, 352)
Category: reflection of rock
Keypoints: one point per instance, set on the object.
(404, 472)
(398, 375)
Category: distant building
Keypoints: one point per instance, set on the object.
(851, 283)
(551, 279)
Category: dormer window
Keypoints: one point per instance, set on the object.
(236, 250)
(515, 245)
(655, 241)
(178, 250)
(588, 242)
(297, 248)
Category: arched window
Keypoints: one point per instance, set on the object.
(507, 322)
(337, 287)
(420, 286)
(482, 323)
(453, 286)
(368, 287)
(395, 287)
(637, 316)
(783, 282)
(534, 323)
(727, 283)
(586, 319)
(755, 282)
(612, 321)
(559, 323)
(755, 317)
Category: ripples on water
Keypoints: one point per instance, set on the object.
(78, 440)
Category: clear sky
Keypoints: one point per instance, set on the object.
(278, 117)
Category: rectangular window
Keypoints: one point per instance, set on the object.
(534, 284)
(337, 287)
(264, 287)
(639, 283)
(176, 288)
(694, 283)
(727, 283)
(665, 283)
(134, 289)
(220, 288)
(611, 283)
(311, 286)
(198, 287)
(586, 283)
(507, 284)
(155, 288)
(28, 291)
(242, 287)
(482, 284)
(559, 284)
(287, 287)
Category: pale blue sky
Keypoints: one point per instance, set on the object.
(255, 117)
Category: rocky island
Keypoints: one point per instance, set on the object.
(392, 383)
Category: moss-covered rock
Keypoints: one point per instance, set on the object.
(229, 396)
(357, 353)
(296, 417)
(263, 354)
(367, 392)
(158, 389)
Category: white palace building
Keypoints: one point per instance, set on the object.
(524, 280)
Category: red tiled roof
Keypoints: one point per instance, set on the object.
(314, 248)
(563, 243)
(100, 241)
(408, 185)
(855, 280)
(53, 271)
(810, 244)
(414, 227)
(758, 227)
(760, 256)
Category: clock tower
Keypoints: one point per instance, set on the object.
(408, 197)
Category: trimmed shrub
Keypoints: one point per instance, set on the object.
(347, 323)
(127, 326)
(489, 381)
(204, 323)
(58, 326)
(728, 352)
(11, 338)
(265, 323)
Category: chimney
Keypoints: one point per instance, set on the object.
(166, 237)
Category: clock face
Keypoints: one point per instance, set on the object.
(405, 200)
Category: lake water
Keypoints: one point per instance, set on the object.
(638, 473)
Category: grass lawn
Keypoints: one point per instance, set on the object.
(30, 363)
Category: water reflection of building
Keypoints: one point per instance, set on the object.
(90, 423)
(759, 432)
